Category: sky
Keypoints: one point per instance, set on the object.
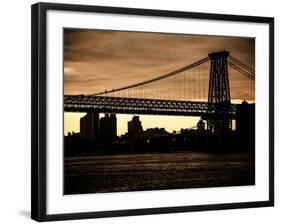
(98, 60)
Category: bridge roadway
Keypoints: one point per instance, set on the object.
(103, 104)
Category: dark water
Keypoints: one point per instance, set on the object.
(116, 173)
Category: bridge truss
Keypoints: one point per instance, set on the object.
(103, 104)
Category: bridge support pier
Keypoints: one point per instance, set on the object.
(218, 121)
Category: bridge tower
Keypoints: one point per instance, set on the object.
(218, 121)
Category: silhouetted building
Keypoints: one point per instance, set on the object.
(134, 127)
(245, 123)
(89, 127)
(72, 144)
(156, 131)
(201, 125)
(108, 128)
(158, 138)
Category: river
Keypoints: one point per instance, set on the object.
(138, 172)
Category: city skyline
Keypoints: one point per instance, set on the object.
(170, 123)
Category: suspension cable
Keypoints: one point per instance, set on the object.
(157, 78)
(241, 64)
(241, 71)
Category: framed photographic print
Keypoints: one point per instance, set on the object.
(138, 111)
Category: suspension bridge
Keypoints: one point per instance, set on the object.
(199, 89)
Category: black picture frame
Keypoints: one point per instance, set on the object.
(39, 122)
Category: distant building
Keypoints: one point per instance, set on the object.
(156, 131)
(134, 127)
(71, 144)
(108, 128)
(158, 138)
(201, 125)
(245, 122)
(89, 127)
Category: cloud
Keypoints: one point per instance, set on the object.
(96, 60)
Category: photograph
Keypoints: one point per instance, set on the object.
(150, 111)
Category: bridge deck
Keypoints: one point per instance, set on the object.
(103, 104)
